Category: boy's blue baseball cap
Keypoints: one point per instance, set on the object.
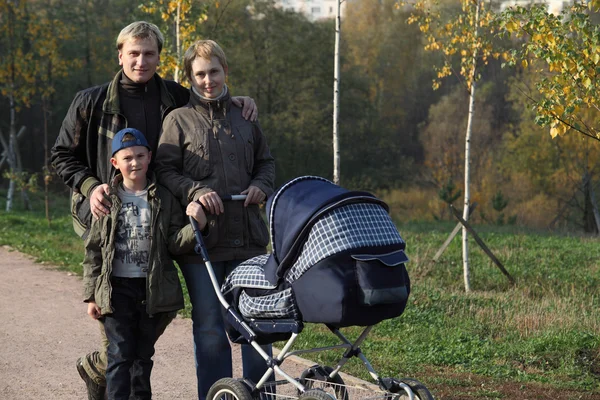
(119, 144)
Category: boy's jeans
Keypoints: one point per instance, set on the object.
(94, 363)
(131, 335)
(211, 345)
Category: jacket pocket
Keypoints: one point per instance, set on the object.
(259, 234)
(170, 294)
(197, 155)
(102, 293)
(247, 136)
(81, 214)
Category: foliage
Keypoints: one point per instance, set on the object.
(466, 35)
(396, 134)
(568, 47)
(383, 100)
(32, 35)
(449, 193)
(180, 21)
(23, 181)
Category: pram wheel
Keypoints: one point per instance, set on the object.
(228, 389)
(420, 391)
(316, 394)
(321, 373)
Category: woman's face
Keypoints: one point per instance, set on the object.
(208, 76)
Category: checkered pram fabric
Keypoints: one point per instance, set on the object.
(351, 226)
(348, 227)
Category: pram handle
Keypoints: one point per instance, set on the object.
(199, 248)
(234, 197)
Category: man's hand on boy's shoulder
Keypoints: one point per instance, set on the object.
(99, 201)
(249, 108)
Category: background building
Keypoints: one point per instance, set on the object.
(313, 9)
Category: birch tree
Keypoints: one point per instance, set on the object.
(466, 37)
(336, 92)
(180, 19)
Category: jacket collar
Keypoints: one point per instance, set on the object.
(116, 181)
(220, 106)
(112, 104)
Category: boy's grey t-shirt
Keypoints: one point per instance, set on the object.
(132, 236)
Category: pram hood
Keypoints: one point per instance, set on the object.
(294, 209)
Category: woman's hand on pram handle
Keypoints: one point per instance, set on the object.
(195, 210)
(212, 203)
(253, 195)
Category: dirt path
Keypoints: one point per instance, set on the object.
(44, 329)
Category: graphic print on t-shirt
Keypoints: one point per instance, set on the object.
(132, 237)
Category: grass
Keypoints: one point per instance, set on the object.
(544, 330)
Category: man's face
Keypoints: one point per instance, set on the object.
(208, 77)
(139, 59)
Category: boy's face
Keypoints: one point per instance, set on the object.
(133, 163)
(208, 76)
(139, 59)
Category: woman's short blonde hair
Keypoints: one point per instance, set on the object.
(205, 49)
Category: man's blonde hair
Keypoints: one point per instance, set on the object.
(140, 30)
(205, 49)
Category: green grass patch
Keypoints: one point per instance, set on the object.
(52, 242)
(544, 330)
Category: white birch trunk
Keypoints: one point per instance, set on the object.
(465, 233)
(336, 91)
(177, 43)
(12, 159)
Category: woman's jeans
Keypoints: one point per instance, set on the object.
(131, 335)
(211, 345)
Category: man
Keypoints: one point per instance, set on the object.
(137, 97)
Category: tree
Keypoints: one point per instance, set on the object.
(384, 99)
(52, 67)
(336, 91)
(465, 36)
(567, 50)
(29, 70)
(17, 80)
(180, 20)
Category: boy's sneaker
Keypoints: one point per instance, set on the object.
(94, 391)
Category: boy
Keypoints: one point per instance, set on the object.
(208, 150)
(129, 279)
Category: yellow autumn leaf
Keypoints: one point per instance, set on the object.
(524, 63)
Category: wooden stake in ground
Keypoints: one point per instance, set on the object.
(482, 244)
(452, 235)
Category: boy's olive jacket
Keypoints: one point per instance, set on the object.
(168, 235)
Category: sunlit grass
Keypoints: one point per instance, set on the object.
(544, 329)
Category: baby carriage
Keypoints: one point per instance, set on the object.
(337, 259)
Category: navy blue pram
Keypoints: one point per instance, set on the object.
(337, 259)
